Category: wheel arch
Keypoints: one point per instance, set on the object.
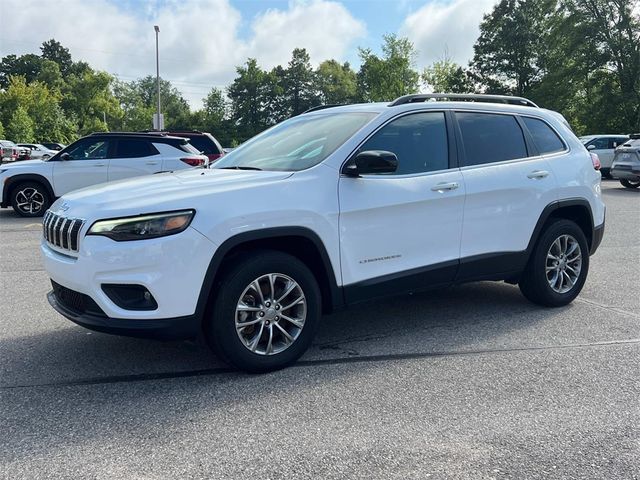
(14, 181)
(300, 242)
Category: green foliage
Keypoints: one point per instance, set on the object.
(20, 127)
(1, 130)
(298, 83)
(55, 52)
(446, 76)
(336, 83)
(390, 76)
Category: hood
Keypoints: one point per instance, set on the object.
(22, 164)
(162, 192)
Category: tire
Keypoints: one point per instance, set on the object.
(236, 291)
(46, 157)
(606, 173)
(538, 285)
(30, 199)
(630, 183)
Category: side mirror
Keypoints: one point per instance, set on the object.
(591, 147)
(371, 161)
(65, 156)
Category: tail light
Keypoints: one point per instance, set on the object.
(595, 160)
(214, 156)
(194, 162)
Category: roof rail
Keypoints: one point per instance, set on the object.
(468, 97)
(132, 134)
(322, 107)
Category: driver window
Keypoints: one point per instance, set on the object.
(419, 140)
(89, 150)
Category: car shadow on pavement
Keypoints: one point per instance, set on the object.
(475, 316)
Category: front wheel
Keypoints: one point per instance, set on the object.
(30, 199)
(558, 266)
(630, 183)
(266, 312)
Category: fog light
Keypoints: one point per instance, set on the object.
(130, 297)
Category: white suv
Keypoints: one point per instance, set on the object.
(31, 186)
(325, 210)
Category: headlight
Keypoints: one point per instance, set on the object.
(144, 226)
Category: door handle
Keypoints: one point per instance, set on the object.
(538, 174)
(100, 164)
(442, 187)
(152, 163)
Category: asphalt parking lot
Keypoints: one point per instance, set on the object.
(469, 382)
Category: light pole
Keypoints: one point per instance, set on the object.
(159, 123)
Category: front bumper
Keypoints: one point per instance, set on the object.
(171, 268)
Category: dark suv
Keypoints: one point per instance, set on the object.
(203, 141)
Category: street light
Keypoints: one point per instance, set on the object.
(159, 123)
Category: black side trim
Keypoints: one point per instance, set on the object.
(417, 279)
(491, 266)
(598, 233)
(164, 328)
(336, 296)
(24, 177)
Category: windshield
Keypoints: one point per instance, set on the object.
(585, 140)
(296, 144)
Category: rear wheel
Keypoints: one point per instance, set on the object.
(630, 183)
(558, 266)
(30, 199)
(266, 312)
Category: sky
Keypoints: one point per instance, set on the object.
(202, 41)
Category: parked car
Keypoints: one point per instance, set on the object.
(53, 145)
(31, 186)
(204, 142)
(328, 209)
(626, 163)
(38, 151)
(9, 151)
(604, 146)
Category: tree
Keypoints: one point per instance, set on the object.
(390, 76)
(1, 130)
(249, 100)
(54, 51)
(446, 76)
(298, 83)
(336, 83)
(20, 127)
(28, 66)
(512, 39)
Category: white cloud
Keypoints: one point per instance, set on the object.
(446, 27)
(200, 44)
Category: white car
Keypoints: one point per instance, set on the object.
(604, 146)
(38, 151)
(31, 186)
(328, 209)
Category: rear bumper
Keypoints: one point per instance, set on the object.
(162, 328)
(632, 173)
(596, 238)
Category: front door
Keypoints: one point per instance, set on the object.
(87, 164)
(401, 231)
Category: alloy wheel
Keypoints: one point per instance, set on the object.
(270, 314)
(564, 263)
(29, 200)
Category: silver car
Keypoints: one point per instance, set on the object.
(604, 145)
(626, 164)
(38, 151)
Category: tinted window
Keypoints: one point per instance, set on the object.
(491, 138)
(133, 148)
(599, 143)
(418, 140)
(545, 139)
(616, 142)
(204, 144)
(88, 148)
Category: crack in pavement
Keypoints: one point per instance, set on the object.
(312, 363)
(607, 307)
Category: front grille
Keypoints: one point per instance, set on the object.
(77, 302)
(61, 231)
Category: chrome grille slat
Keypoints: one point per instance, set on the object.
(62, 232)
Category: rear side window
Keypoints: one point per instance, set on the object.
(204, 144)
(419, 141)
(544, 138)
(134, 148)
(489, 137)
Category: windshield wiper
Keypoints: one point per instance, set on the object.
(239, 167)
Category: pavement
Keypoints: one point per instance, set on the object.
(470, 382)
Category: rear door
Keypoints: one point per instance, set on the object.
(508, 186)
(87, 164)
(134, 157)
